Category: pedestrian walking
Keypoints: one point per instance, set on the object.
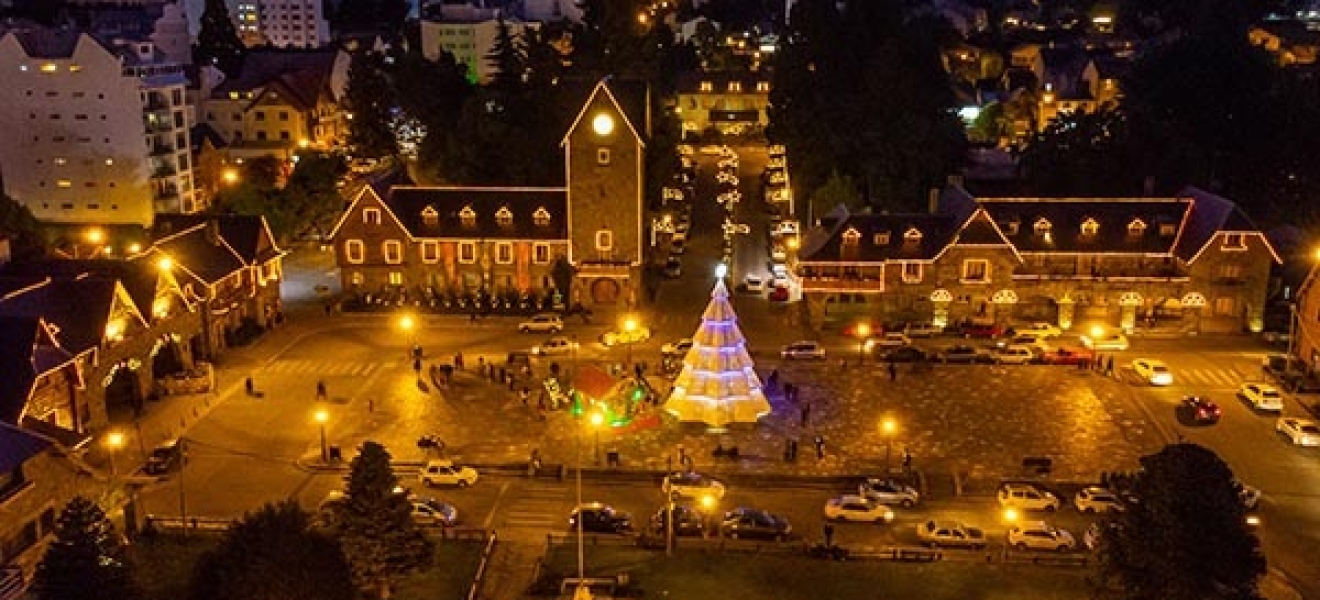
(788, 449)
(788, 391)
(820, 446)
(772, 380)
(250, 386)
(907, 462)
(806, 414)
(417, 366)
(320, 390)
(893, 371)
(829, 534)
(1109, 367)
(458, 360)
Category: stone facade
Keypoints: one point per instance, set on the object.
(34, 492)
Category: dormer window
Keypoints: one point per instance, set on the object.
(1043, 226)
(735, 86)
(851, 237)
(880, 239)
(706, 86)
(1090, 226)
(430, 217)
(912, 235)
(1011, 227)
(763, 86)
(1136, 227)
(541, 217)
(1168, 229)
(467, 216)
(1234, 241)
(371, 216)
(504, 216)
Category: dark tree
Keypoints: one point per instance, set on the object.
(508, 58)
(375, 524)
(382, 17)
(609, 39)
(1186, 538)
(86, 560)
(562, 273)
(217, 40)
(370, 101)
(26, 241)
(273, 554)
(1083, 154)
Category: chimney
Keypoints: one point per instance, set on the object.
(933, 200)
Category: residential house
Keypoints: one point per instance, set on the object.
(1193, 262)
(36, 481)
(415, 244)
(731, 102)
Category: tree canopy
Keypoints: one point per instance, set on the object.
(306, 201)
(375, 524)
(217, 40)
(370, 101)
(1186, 537)
(273, 554)
(86, 559)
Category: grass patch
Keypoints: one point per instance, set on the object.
(450, 574)
(698, 576)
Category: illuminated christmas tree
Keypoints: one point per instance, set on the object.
(718, 384)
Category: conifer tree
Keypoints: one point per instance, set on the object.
(375, 525)
(86, 560)
(217, 40)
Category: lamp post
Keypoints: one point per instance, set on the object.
(1010, 517)
(888, 427)
(321, 417)
(671, 496)
(408, 325)
(863, 332)
(596, 421)
(114, 441)
(582, 593)
(629, 334)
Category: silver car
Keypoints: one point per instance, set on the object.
(803, 350)
(886, 491)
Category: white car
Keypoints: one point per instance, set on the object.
(1302, 432)
(429, 511)
(1038, 535)
(712, 149)
(950, 533)
(1039, 329)
(1024, 496)
(1035, 342)
(803, 350)
(445, 472)
(922, 330)
(755, 285)
(894, 339)
(614, 338)
(542, 323)
(1111, 341)
(1262, 396)
(856, 508)
(691, 484)
(678, 348)
(884, 491)
(1153, 371)
(554, 346)
(1014, 355)
(1093, 499)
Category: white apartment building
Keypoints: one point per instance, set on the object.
(293, 23)
(95, 134)
(470, 42)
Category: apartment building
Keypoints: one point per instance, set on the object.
(470, 41)
(292, 23)
(98, 132)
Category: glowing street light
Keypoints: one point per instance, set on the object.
(630, 327)
(888, 427)
(95, 235)
(321, 417)
(114, 441)
(863, 335)
(230, 176)
(165, 263)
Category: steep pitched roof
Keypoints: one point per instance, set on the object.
(1064, 219)
(248, 236)
(200, 252)
(18, 446)
(76, 309)
(138, 278)
(449, 205)
(262, 66)
(1210, 215)
(881, 237)
(45, 42)
(628, 97)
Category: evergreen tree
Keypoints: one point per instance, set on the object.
(375, 523)
(217, 40)
(838, 189)
(26, 241)
(608, 40)
(1186, 538)
(508, 59)
(370, 100)
(86, 560)
(273, 554)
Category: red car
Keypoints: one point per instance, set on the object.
(1067, 356)
(982, 330)
(1202, 410)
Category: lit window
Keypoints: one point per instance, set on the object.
(911, 272)
(355, 278)
(976, 269)
(393, 251)
(467, 216)
(1136, 227)
(64, 183)
(763, 86)
(354, 251)
(735, 86)
(504, 216)
(851, 236)
(1230, 271)
(430, 251)
(541, 217)
(467, 252)
(1043, 226)
(1234, 241)
(541, 253)
(371, 216)
(430, 217)
(912, 235)
(880, 239)
(603, 156)
(604, 240)
(504, 253)
(706, 86)
(1168, 229)
(1090, 226)
(1011, 227)
(396, 278)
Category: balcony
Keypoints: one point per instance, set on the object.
(1055, 273)
(160, 149)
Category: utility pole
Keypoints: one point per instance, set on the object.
(183, 498)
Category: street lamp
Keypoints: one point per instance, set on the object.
(1011, 517)
(888, 427)
(863, 332)
(321, 417)
(408, 324)
(709, 504)
(630, 326)
(114, 441)
(596, 419)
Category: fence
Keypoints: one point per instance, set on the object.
(478, 580)
(206, 524)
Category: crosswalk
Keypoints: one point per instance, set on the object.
(540, 506)
(1218, 378)
(326, 368)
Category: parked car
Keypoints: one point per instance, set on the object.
(1153, 371)
(903, 354)
(1014, 355)
(1201, 409)
(554, 346)
(1092, 499)
(803, 350)
(1067, 356)
(687, 520)
(1038, 329)
(595, 517)
(922, 330)
(1301, 432)
(673, 268)
(430, 511)
(446, 472)
(1105, 341)
(975, 329)
(636, 336)
(963, 354)
(690, 484)
(851, 507)
(542, 323)
(1262, 396)
(755, 284)
(677, 348)
(1036, 343)
(163, 457)
(1025, 496)
(752, 523)
(1038, 535)
(950, 534)
(894, 339)
(885, 491)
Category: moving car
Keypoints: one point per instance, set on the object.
(803, 350)
(1201, 409)
(755, 285)
(1153, 371)
(1262, 396)
(554, 346)
(1302, 432)
(430, 511)
(1014, 355)
(1037, 535)
(595, 517)
(445, 472)
(163, 457)
(950, 534)
(687, 520)
(885, 491)
(614, 338)
(691, 484)
(542, 323)
(678, 348)
(1093, 499)
(1025, 496)
(1105, 341)
(851, 507)
(1038, 329)
(754, 523)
